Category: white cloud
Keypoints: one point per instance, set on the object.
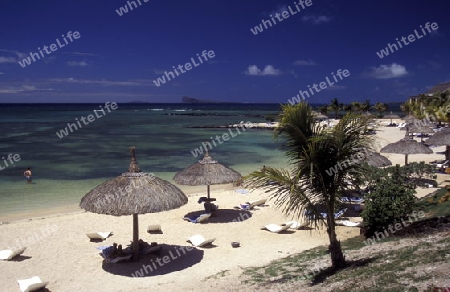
(388, 71)
(268, 70)
(316, 19)
(304, 63)
(279, 9)
(20, 89)
(79, 64)
(105, 82)
(7, 60)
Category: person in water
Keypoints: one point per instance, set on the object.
(27, 173)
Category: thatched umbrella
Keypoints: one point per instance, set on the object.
(406, 146)
(391, 116)
(441, 138)
(409, 118)
(377, 160)
(206, 172)
(132, 193)
(415, 128)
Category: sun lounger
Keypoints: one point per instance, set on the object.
(251, 204)
(199, 219)
(295, 224)
(352, 200)
(119, 259)
(98, 235)
(199, 241)
(275, 228)
(31, 284)
(8, 254)
(154, 229)
(348, 223)
(106, 253)
(242, 191)
(257, 202)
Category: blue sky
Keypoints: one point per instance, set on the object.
(117, 58)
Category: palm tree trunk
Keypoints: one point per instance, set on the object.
(337, 257)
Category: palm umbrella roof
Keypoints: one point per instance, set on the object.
(391, 116)
(409, 118)
(440, 138)
(377, 160)
(420, 129)
(206, 172)
(406, 146)
(132, 193)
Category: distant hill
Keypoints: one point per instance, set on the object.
(187, 99)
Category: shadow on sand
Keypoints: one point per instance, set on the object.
(223, 216)
(170, 259)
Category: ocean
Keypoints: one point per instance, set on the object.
(66, 167)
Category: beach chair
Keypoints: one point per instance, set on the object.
(275, 228)
(106, 253)
(8, 254)
(98, 236)
(199, 219)
(295, 224)
(31, 284)
(199, 241)
(154, 229)
(249, 205)
(348, 223)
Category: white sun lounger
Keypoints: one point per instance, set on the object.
(31, 284)
(295, 224)
(8, 254)
(249, 205)
(348, 223)
(199, 241)
(156, 228)
(98, 235)
(275, 228)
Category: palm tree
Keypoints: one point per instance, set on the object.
(380, 107)
(322, 161)
(365, 106)
(356, 106)
(334, 105)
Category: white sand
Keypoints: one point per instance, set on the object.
(62, 254)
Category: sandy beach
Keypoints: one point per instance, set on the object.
(58, 250)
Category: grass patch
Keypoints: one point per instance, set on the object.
(389, 267)
(218, 275)
(436, 204)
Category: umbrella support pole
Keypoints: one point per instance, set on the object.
(135, 237)
(207, 188)
(406, 159)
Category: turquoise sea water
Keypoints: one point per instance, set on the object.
(65, 169)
